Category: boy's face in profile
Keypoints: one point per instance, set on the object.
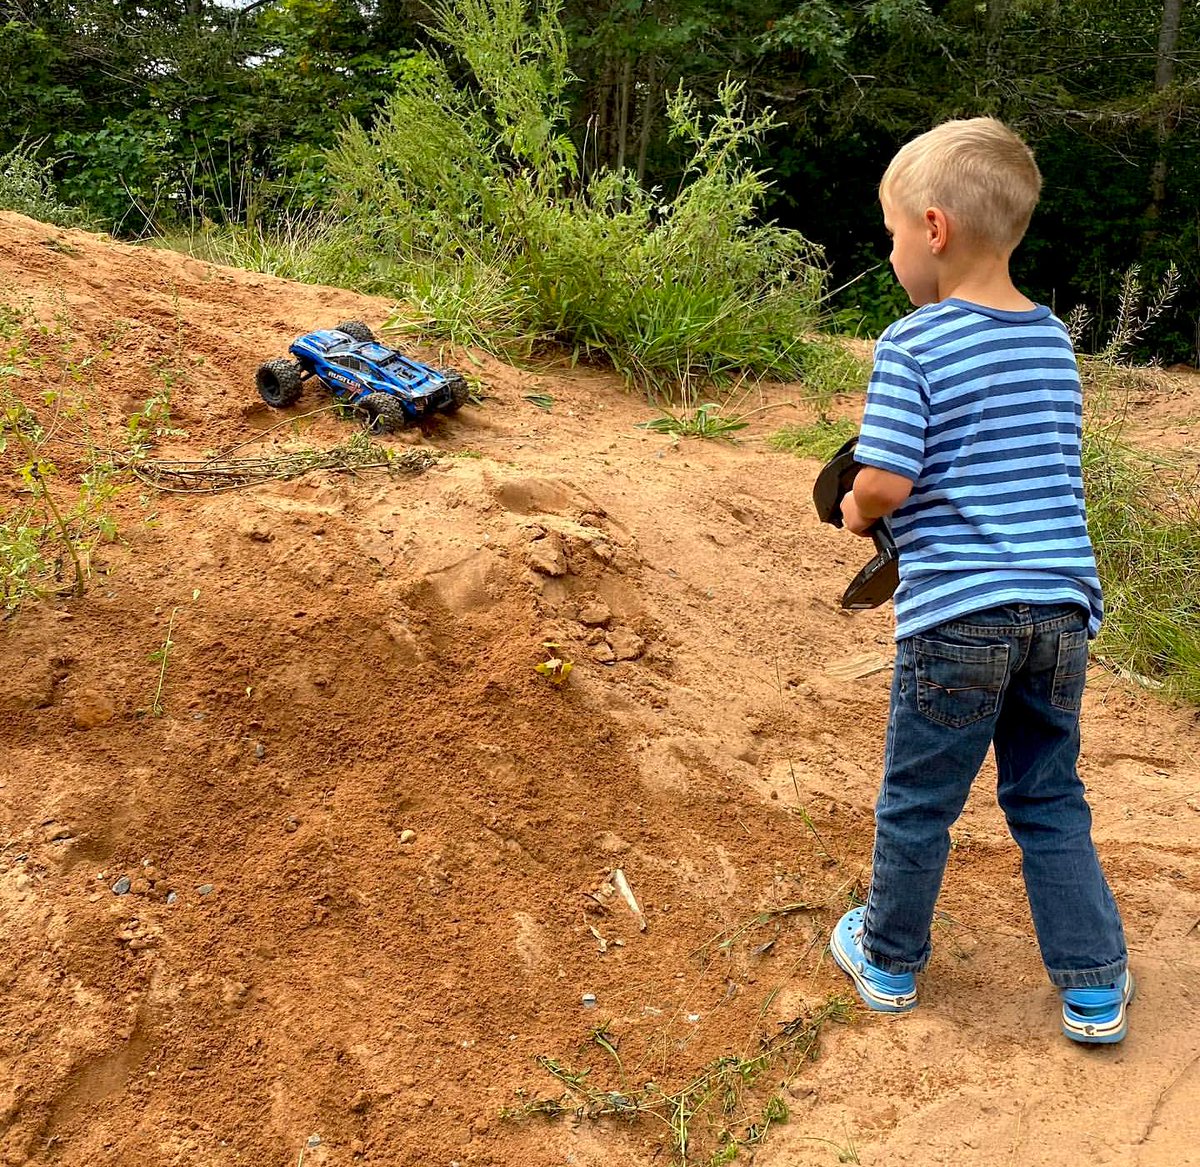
(912, 258)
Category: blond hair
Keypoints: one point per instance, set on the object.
(976, 170)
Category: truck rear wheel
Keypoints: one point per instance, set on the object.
(278, 382)
(356, 330)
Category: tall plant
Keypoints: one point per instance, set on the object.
(471, 188)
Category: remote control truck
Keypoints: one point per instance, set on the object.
(389, 389)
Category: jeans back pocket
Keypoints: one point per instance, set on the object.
(1070, 671)
(958, 684)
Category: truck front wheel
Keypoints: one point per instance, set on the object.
(278, 383)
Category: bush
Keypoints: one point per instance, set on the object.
(474, 197)
(26, 186)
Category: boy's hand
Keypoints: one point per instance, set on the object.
(853, 517)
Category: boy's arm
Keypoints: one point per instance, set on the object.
(876, 493)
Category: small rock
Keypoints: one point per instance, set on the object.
(122, 886)
(603, 653)
(260, 751)
(589, 1000)
(626, 644)
(150, 872)
(23, 881)
(545, 555)
(596, 636)
(55, 834)
(408, 836)
(314, 1140)
(205, 889)
(595, 614)
(140, 887)
(171, 898)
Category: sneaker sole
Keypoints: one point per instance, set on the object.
(1110, 1032)
(871, 998)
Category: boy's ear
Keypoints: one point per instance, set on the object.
(937, 229)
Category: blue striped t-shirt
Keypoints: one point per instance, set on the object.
(982, 409)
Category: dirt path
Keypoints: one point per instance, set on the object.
(292, 975)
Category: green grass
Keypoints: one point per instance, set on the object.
(820, 439)
(1144, 520)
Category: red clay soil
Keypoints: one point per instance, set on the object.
(371, 850)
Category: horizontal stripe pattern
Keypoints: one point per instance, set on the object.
(982, 410)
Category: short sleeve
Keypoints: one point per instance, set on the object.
(897, 413)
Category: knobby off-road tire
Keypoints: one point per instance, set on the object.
(278, 382)
(356, 330)
(383, 413)
(460, 394)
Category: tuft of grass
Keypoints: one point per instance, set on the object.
(705, 421)
(820, 439)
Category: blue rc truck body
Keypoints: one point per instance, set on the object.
(390, 389)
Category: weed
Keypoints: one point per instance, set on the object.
(159, 657)
(1138, 307)
(543, 401)
(556, 668)
(717, 1093)
(723, 941)
(703, 422)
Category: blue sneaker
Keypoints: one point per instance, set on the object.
(881, 991)
(1097, 1015)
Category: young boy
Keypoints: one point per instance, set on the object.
(971, 444)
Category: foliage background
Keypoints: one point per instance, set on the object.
(171, 113)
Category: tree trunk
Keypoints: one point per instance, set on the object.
(623, 111)
(649, 105)
(1164, 78)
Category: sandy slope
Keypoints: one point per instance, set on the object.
(359, 663)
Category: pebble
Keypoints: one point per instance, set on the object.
(408, 836)
(260, 751)
(23, 881)
(171, 898)
(314, 1140)
(56, 834)
(205, 889)
(140, 887)
(122, 886)
(589, 1000)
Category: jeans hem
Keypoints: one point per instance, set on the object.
(1088, 978)
(894, 967)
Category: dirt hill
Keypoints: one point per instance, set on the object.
(371, 851)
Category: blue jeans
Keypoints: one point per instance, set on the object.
(1011, 676)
